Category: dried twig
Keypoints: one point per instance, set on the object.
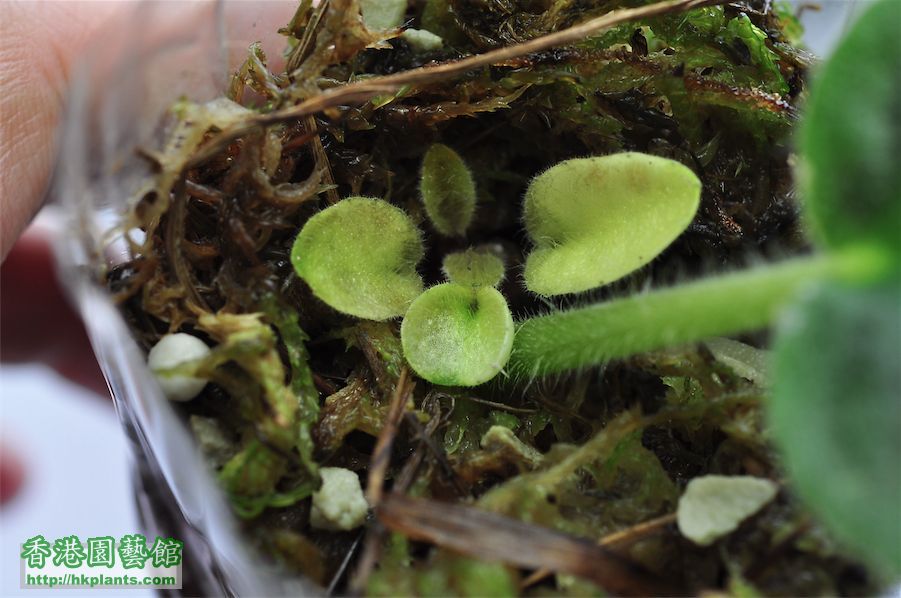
(378, 465)
(407, 474)
(377, 534)
(175, 232)
(381, 455)
(493, 537)
(437, 453)
(617, 539)
(372, 548)
(296, 58)
(500, 406)
(637, 532)
(305, 45)
(322, 161)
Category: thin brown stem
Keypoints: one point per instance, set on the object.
(322, 161)
(627, 536)
(302, 49)
(207, 195)
(381, 455)
(378, 466)
(500, 406)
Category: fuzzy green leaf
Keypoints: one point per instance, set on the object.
(448, 191)
(458, 336)
(595, 220)
(851, 137)
(360, 256)
(474, 268)
(837, 415)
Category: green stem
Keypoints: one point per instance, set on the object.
(727, 304)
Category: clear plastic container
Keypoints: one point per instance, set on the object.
(118, 98)
(117, 102)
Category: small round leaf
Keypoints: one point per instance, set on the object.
(474, 268)
(447, 190)
(595, 220)
(359, 256)
(458, 336)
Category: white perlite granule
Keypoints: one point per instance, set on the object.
(714, 506)
(173, 350)
(339, 505)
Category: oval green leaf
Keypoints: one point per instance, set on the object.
(474, 268)
(851, 137)
(595, 220)
(359, 256)
(458, 336)
(836, 414)
(448, 190)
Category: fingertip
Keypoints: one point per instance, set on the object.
(37, 324)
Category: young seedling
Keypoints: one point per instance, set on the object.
(474, 268)
(595, 220)
(448, 191)
(359, 256)
(456, 335)
(579, 213)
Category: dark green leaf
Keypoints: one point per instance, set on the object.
(852, 136)
(836, 413)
